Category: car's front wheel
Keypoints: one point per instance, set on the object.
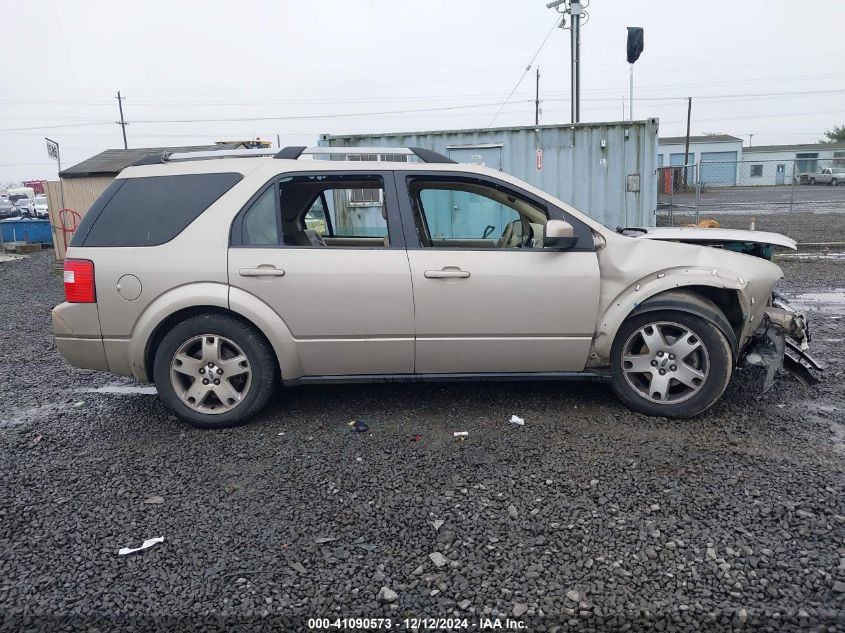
(670, 363)
(214, 371)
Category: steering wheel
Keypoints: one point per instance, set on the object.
(487, 231)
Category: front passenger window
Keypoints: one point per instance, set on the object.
(456, 214)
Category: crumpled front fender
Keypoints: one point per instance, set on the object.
(648, 288)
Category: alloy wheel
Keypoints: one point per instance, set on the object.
(210, 374)
(665, 362)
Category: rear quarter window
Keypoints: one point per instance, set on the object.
(150, 211)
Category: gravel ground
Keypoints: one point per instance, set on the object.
(589, 517)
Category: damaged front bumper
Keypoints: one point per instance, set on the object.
(781, 342)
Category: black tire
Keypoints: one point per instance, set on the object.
(720, 365)
(260, 358)
(834, 182)
(812, 181)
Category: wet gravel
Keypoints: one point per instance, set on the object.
(589, 517)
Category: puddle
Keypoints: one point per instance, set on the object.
(6, 257)
(803, 257)
(21, 417)
(121, 389)
(831, 302)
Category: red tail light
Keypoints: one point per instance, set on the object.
(79, 281)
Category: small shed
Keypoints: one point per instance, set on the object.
(82, 183)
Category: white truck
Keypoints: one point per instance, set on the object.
(827, 176)
(18, 193)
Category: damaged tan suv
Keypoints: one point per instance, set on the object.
(218, 274)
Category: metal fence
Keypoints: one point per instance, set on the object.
(782, 195)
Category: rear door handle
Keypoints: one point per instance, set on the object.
(261, 272)
(447, 273)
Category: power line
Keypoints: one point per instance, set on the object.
(53, 127)
(272, 118)
(525, 72)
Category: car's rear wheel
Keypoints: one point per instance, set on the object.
(214, 371)
(670, 363)
(834, 182)
(812, 181)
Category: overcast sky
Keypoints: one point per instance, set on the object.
(757, 67)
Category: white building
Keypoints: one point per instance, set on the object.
(721, 150)
(724, 162)
(774, 164)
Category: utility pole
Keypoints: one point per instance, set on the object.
(122, 122)
(537, 100)
(575, 11)
(575, 42)
(686, 146)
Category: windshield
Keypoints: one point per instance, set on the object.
(40, 199)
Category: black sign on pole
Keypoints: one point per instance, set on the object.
(635, 43)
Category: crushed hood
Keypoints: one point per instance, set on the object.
(717, 237)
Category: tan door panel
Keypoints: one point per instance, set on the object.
(517, 310)
(350, 311)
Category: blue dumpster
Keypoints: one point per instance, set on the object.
(26, 230)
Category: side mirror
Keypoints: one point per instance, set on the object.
(558, 234)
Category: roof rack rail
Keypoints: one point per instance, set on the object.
(294, 152)
(219, 153)
(425, 155)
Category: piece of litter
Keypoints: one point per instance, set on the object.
(781, 406)
(515, 419)
(461, 433)
(438, 524)
(145, 545)
(79, 403)
(359, 426)
(156, 500)
(281, 434)
(325, 539)
(416, 438)
(35, 440)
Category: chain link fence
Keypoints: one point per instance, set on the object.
(803, 198)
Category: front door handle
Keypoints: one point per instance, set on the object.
(447, 273)
(261, 272)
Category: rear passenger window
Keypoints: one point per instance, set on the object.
(151, 211)
(261, 221)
